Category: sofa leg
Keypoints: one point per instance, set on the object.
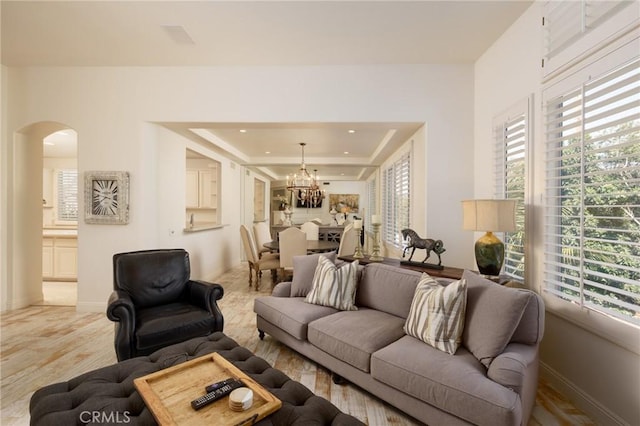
(261, 334)
(337, 379)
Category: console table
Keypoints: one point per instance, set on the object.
(446, 272)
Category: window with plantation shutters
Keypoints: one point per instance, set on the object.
(67, 195)
(511, 135)
(592, 200)
(566, 22)
(395, 199)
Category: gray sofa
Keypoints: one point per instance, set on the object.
(490, 380)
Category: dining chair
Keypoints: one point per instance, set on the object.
(261, 235)
(293, 242)
(311, 229)
(268, 261)
(348, 241)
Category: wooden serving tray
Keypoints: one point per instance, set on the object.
(168, 394)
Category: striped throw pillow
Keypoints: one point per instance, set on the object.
(334, 286)
(437, 313)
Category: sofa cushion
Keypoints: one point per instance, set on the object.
(352, 336)
(493, 313)
(456, 384)
(334, 286)
(290, 314)
(387, 288)
(304, 267)
(437, 313)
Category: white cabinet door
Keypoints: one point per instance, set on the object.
(207, 186)
(47, 258)
(66, 262)
(65, 258)
(192, 191)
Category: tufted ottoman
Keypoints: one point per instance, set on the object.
(108, 395)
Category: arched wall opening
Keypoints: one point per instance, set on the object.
(25, 214)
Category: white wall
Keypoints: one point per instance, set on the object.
(113, 110)
(600, 376)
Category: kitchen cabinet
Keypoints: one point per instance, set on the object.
(202, 189)
(60, 258)
(202, 186)
(47, 257)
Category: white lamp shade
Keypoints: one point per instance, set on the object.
(489, 215)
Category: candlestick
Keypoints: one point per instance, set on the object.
(375, 252)
(358, 254)
(375, 219)
(357, 224)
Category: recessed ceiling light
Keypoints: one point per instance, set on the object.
(351, 131)
(267, 152)
(346, 152)
(243, 131)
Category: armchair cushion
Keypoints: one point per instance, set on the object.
(164, 325)
(151, 277)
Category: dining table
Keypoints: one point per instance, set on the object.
(313, 246)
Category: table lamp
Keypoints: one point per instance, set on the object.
(489, 216)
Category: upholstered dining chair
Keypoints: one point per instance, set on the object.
(292, 242)
(348, 241)
(268, 261)
(154, 302)
(311, 229)
(261, 235)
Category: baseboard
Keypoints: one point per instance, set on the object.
(596, 411)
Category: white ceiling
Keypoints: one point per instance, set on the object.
(238, 32)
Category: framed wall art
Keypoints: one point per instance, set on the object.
(345, 203)
(106, 198)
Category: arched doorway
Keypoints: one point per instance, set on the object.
(60, 218)
(24, 215)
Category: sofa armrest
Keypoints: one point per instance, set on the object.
(206, 295)
(282, 289)
(121, 310)
(511, 367)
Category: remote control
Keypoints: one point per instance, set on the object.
(215, 395)
(218, 385)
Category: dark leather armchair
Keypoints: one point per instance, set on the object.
(155, 304)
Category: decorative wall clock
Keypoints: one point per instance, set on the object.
(106, 198)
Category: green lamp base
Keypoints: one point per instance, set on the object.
(489, 254)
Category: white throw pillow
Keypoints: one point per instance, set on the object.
(437, 313)
(334, 286)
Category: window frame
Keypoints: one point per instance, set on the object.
(58, 197)
(605, 324)
(504, 142)
(396, 179)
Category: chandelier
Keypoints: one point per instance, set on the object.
(304, 186)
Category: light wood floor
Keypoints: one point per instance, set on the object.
(48, 344)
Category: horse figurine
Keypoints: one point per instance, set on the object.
(414, 241)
